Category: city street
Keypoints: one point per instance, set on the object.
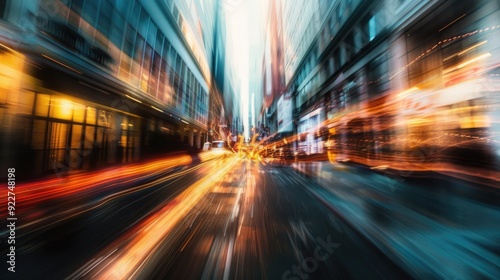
(231, 139)
(236, 218)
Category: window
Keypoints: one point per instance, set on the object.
(175, 12)
(38, 134)
(372, 28)
(331, 66)
(155, 69)
(142, 26)
(74, 18)
(90, 12)
(146, 67)
(132, 15)
(128, 50)
(42, 105)
(340, 11)
(349, 47)
(172, 57)
(138, 57)
(163, 91)
(118, 27)
(128, 46)
(91, 115)
(378, 81)
(152, 33)
(336, 59)
(159, 41)
(78, 113)
(2, 8)
(104, 20)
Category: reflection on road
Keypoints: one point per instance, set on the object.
(236, 218)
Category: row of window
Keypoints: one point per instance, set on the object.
(433, 58)
(144, 56)
(359, 36)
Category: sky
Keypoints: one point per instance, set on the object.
(244, 19)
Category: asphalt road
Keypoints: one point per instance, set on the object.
(261, 222)
(227, 218)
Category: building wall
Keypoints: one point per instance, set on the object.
(127, 64)
(390, 74)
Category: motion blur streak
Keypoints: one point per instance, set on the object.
(70, 212)
(147, 236)
(233, 139)
(84, 184)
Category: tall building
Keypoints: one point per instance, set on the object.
(371, 76)
(87, 83)
(273, 79)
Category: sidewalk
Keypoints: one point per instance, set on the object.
(430, 231)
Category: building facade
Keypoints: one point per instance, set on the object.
(273, 78)
(86, 83)
(378, 77)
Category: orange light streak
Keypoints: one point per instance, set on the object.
(154, 229)
(84, 184)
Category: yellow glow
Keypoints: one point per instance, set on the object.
(159, 225)
(472, 47)
(157, 109)
(64, 110)
(473, 60)
(37, 192)
(408, 91)
(418, 121)
(466, 50)
(462, 65)
(4, 46)
(477, 121)
(136, 100)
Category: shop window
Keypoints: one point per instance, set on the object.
(124, 123)
(103, 119)
(91, 115)
(25, 102)
(78, 113)
(38, 135)
(76, 136)
(99, 137)
(58, 135)
(61, 108)
(42, 105)
(118, 26)
(89, 138)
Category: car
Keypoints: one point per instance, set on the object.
(219, 144)
(219, 148)
(206, 146)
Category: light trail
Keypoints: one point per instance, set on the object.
(138, 243)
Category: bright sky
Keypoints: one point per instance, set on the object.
(243, 21)
(237, 40)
